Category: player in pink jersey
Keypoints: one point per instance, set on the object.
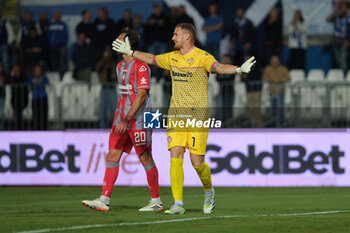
(127, 129)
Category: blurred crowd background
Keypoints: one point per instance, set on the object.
(58, 72)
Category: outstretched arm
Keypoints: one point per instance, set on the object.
(231, 69)
(124, 47)
(145, 57)
(224, 69)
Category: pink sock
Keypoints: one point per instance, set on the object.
(152, 179)
(111, 175)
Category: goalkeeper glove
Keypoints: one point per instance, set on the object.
(122, 47)
(247, 66)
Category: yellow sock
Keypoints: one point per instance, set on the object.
(177, 178)
(204, 174)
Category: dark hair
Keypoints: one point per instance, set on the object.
(33, 28)
(301, 15)
(213, 4)
(190, 28)
(104, 9)
(134, 37)
(84, 12)
(275, 55)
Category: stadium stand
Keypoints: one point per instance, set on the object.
(312, 91)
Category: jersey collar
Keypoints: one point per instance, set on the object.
(131, 61)
(188, 51)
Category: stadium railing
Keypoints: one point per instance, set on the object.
(248, 105)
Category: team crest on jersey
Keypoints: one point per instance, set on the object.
(190, 60)
(142, 69)
(169, 139)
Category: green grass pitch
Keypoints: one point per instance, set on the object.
(250, 210)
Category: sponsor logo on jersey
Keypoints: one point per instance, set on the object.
(125, 89)
(184, 75)
(142, 69)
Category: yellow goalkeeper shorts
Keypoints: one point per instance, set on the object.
(193, 139)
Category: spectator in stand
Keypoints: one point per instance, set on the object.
(253, 82)
(82, 58)
(44, 24)
(273, 35)
(104, 30)
(157, 35)
(85, 25)
(182, 16)
(341, 20)
(226, 90)
(33, 50)
(213, 27)
(106, 70)
(297, 41)
(253, 88)
(173, 17)
(39, 101)
(276, 74)
(58, 40)
(242, 37)
(24, 30)
(2, 94)
(126, 21)
(139, 27)
(19, 95)
(157, 31)
(6, 38)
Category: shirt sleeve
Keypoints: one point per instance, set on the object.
(45, 80)
(143, 77)
(220, 19)
(209, 62)
(163, 60)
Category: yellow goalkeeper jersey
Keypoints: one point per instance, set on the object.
(189, 74)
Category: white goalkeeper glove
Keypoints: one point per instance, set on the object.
(246, 67)
(122, 47)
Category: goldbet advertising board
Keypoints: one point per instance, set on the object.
(236, 158)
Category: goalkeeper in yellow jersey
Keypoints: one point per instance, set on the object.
(189, 68)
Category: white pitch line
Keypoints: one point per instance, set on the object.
(179, 220)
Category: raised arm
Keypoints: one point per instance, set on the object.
(124, 47)
(231, 69)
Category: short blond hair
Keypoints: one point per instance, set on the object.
(189, 28)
